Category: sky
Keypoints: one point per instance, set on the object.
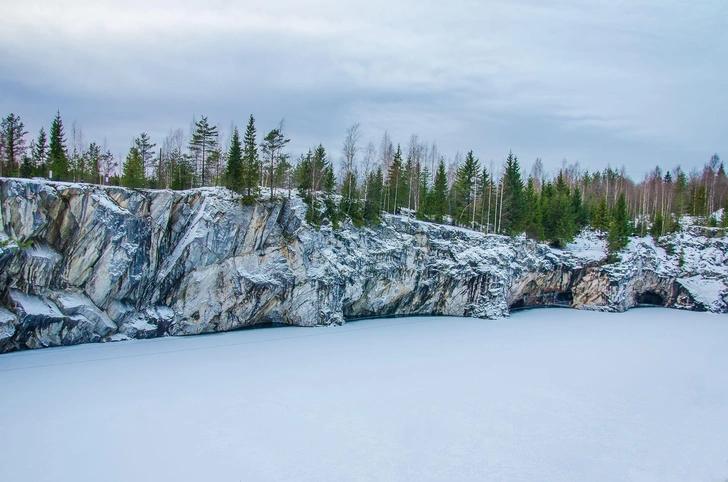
(634, 83)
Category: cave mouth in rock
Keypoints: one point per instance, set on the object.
(650, 298)
(565, 297)
(520, 303)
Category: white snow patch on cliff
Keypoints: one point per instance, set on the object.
(107, 203)
(709, 292)
(588, 246)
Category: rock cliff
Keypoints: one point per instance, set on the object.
(82, 263)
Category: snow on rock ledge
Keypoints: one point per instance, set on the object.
(82, 263)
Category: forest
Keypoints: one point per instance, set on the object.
(414, 179)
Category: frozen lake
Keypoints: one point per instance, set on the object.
(548, 395)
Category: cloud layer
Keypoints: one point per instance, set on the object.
(637, 83)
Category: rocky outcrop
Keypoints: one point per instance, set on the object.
(81, 263)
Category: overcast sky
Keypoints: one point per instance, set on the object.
(621, 82)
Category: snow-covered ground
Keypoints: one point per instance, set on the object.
(553, 395)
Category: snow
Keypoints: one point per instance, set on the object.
(707, 291)
(39, 250)
(107, 203)
(545, 395)
(34, 305)
(588, 246)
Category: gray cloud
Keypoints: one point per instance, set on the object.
(636, 83)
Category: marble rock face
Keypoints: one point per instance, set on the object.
(82, 263)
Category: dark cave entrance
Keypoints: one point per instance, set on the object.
(520, 303)
(565, 297)
(650, 298)
(556, 299)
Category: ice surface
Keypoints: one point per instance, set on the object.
(545, 395)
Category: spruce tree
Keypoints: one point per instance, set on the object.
(27, 168)
(93, 162)
(250, 167)
(560, 229)
(514, 212)
(581, 215)
(424, 209)
(13, 134)
(534, 223)
(133, 170)
(547, 195)
(57, 156)
(699, 201)
(329, 179)
(350, 203)
(463, 190)
(234, 170)
(439, 193)
(618, 236)
(373, 203)
(396, 183)
(600, 218)
(39, 154)
(657, 225)
(182, 170)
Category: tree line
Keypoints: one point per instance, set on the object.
(416, 180)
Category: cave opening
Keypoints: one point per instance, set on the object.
(565, 297)
(520, 303)
(650, 298)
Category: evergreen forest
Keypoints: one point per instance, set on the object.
(360, 182)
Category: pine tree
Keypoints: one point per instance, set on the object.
(513, 207)
(272, 145)
(204, 140)
(133, 170)
(57, 156)
(234, 170)
(13, 134)
(145, 149)
(618, 236)
(250, 167)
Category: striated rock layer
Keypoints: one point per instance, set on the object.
(82, 263)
